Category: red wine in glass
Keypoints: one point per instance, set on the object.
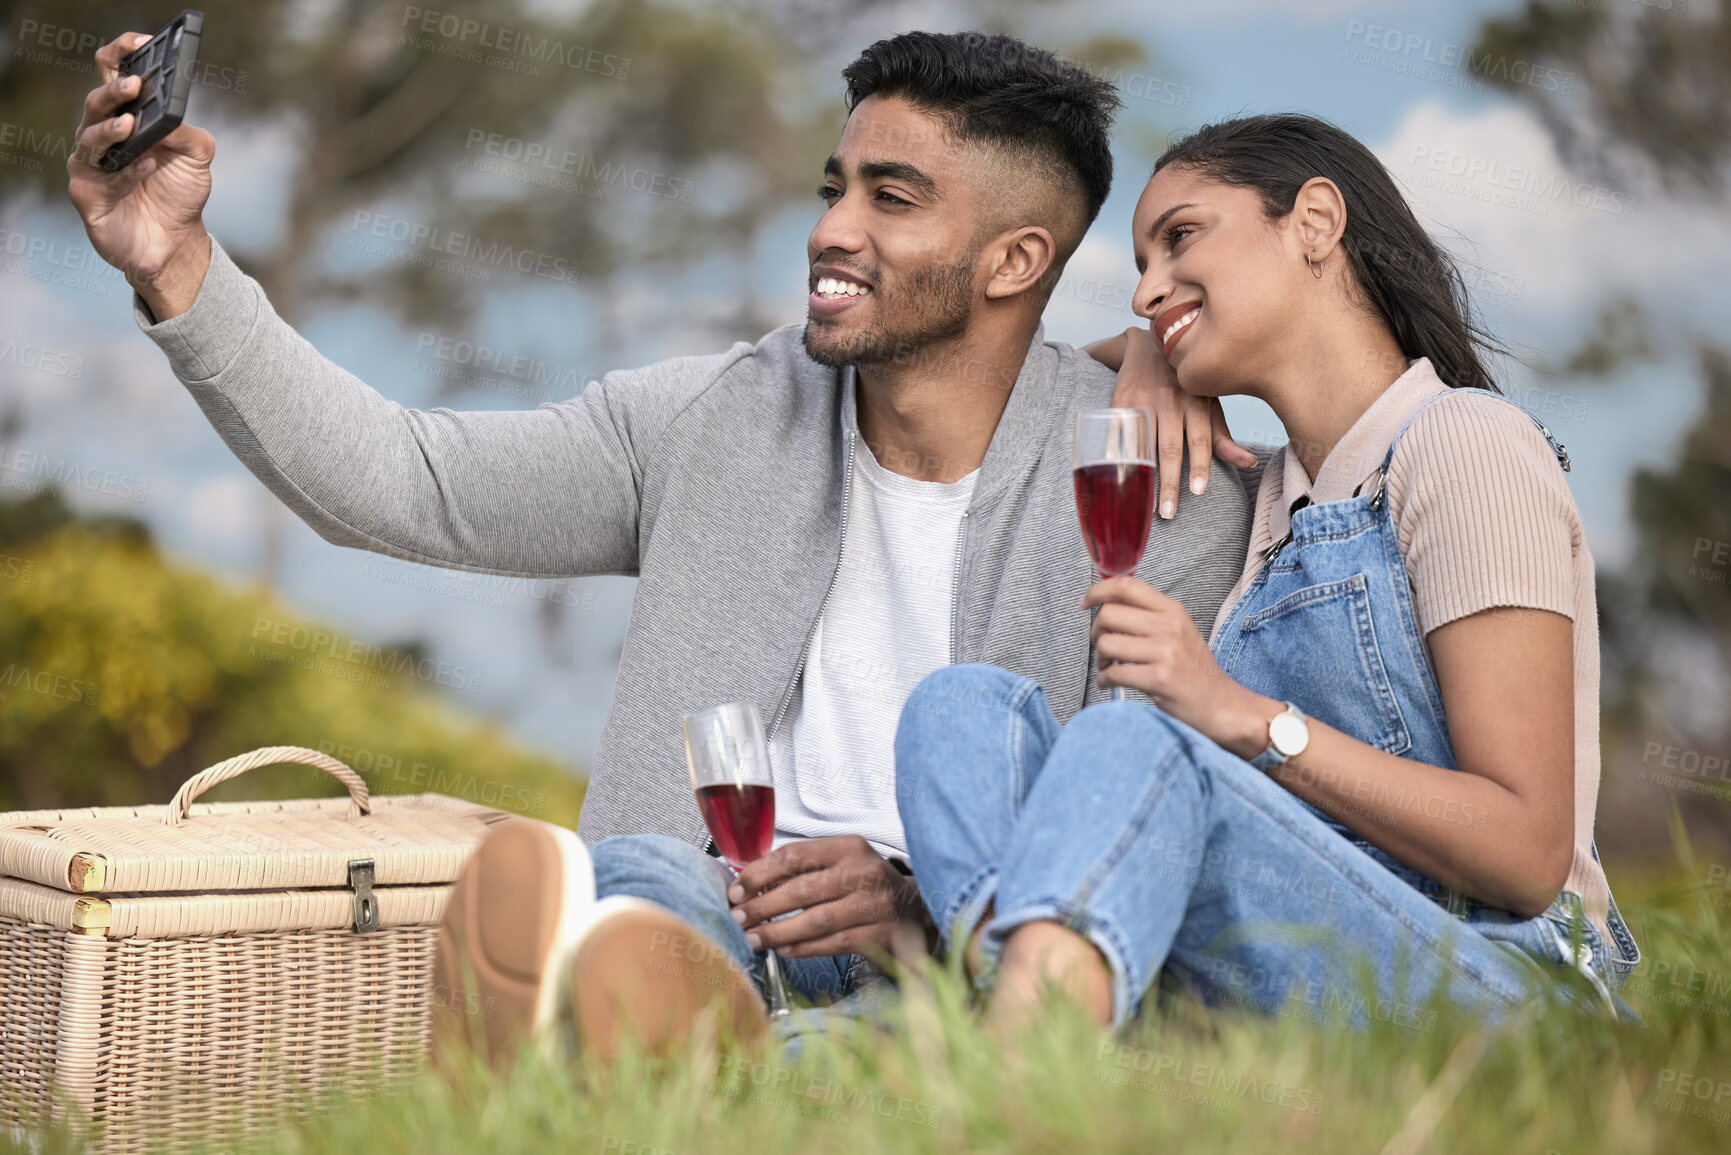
(728, 758)
(1115, 500)
(1114, 472)
(742, 819)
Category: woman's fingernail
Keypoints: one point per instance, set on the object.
(736, 893)
(1197, 485)
(752, 941)
(738, 915)
(1168, 509)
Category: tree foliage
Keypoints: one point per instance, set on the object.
(1653, 84)
(121, 675)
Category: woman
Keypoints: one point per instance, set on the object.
(1384, 765)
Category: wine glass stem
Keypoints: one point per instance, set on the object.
(1118, 693)
(777, 990)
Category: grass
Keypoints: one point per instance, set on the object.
(1186, 1078)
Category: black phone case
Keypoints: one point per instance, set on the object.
(166, 63)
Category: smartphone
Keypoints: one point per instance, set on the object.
(166, 62)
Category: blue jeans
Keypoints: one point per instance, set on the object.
(1169, 853)
(693, 885)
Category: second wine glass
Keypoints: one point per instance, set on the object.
(730, 771)
(1114, 473)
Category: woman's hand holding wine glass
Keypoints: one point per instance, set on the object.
(1147, 641)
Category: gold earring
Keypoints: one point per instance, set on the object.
(1315, 270)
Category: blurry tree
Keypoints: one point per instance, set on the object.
(1652, 103)
(122, 675)
(1652, 91)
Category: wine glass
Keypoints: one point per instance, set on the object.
(729, 762)
(1115, 489)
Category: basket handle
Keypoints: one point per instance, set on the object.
(360, 804)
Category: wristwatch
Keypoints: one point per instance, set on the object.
(1288, 735)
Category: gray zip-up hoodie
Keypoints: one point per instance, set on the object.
(720, 482)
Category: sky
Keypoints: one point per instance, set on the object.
(1477, 167)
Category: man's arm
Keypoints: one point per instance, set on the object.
(550, 492)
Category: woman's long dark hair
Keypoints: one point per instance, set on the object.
(1405, 276)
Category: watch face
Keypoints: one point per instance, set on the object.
(1288, 735)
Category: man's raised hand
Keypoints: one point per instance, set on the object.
(147, 219)
(850, 899)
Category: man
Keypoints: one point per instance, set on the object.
(816, 522)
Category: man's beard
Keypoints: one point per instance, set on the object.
(938, 301)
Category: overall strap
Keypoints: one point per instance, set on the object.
(1382, 470)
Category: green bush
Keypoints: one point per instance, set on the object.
(122, 674)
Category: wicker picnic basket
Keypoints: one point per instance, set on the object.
(183, 974)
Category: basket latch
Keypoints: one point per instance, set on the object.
(366, 906)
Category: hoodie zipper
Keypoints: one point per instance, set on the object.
(846, 495)
(787, 695)
(956, 584)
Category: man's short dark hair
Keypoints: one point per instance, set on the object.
(1000, 92)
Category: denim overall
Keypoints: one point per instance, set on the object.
(1329, 625)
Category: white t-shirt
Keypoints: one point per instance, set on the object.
(885, 627)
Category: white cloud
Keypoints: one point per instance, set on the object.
(1491, 185)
